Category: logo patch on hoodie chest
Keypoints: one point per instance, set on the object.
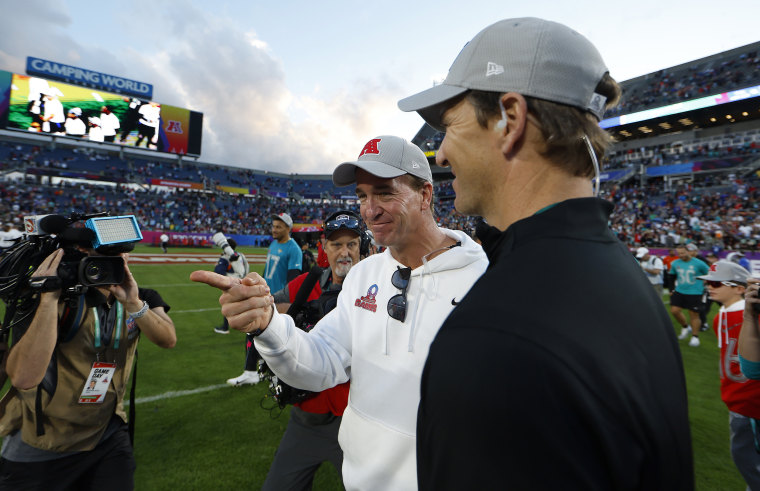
(368, 302)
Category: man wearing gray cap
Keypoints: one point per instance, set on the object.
(563, 341)
(389, 309)
(726, 283)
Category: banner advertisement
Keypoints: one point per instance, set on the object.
(234, 190)
(175, 184)
(81, 76)
(181, 239)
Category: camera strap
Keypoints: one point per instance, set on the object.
(303, 292)
(70, 325)
(106, 335)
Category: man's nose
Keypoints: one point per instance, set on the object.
(440, 157)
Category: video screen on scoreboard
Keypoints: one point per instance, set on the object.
(60, 109)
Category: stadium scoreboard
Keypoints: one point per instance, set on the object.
(100, 108)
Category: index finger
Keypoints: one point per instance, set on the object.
(214, 279)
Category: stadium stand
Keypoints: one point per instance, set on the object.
(684, 176)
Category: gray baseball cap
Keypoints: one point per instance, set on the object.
(387, 157)
(285, 218)
(726, 271)
(530, 56)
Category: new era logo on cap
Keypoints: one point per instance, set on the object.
(493, 69)
(533, 57)
(386, 157)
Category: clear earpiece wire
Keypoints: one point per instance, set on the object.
(595, 162)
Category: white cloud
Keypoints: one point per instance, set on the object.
(205, 63)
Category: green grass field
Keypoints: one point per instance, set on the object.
(219, 437)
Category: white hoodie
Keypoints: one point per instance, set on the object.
(381, 356)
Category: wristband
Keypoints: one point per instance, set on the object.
(141, 312)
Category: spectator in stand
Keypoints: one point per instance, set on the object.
(652, 267)
(726, 284)
(687, 294)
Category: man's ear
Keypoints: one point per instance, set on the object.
(514, 111)
(427, 195)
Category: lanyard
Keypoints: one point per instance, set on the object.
(119, 317)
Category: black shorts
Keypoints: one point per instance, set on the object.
(689, 302)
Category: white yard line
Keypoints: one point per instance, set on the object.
(176, 393)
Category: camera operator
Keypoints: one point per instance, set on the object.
(231, 263)
(62, 431)
(312, 433)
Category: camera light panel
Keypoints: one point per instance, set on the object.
(114, 230)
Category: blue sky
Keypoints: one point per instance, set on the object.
(297, 86)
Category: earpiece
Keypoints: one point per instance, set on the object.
(502, 123)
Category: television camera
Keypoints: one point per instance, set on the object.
(108, 236)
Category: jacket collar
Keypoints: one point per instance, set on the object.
(581, 218)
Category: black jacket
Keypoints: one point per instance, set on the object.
(559, 370)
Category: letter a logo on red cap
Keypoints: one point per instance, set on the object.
(371, 147)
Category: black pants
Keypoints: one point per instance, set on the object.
(109, 466)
